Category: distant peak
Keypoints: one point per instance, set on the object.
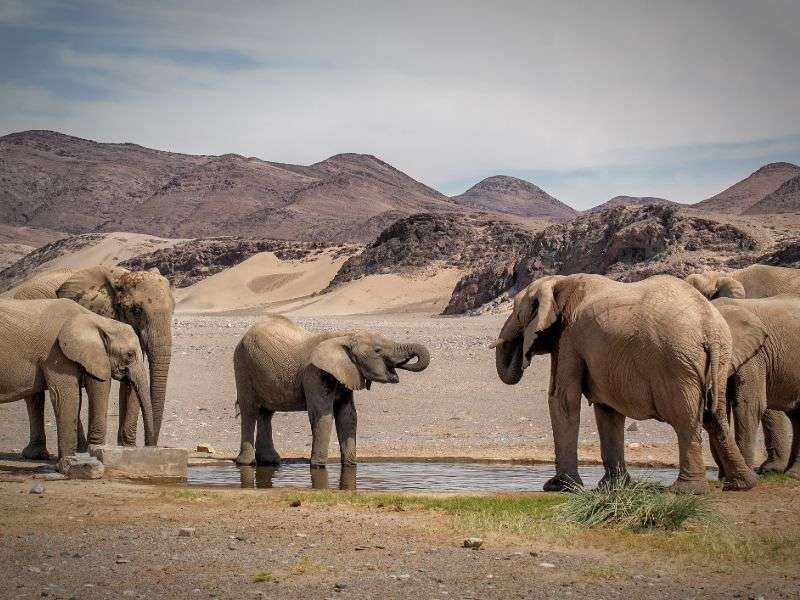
(505, 182)
(776, 166)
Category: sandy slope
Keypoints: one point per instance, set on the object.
(114, 248)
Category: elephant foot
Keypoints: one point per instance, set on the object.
(247, 457)
(615, 477)
(689, 486)
(741, 482)
(36, 452)
(271, 460)
(772, 466)
(793, 472)
(563, 483)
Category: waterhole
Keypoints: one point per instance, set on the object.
(405, 476)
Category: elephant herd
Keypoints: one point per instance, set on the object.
(688, 353)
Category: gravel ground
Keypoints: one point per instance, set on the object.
(456, 408)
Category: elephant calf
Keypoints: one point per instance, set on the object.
(57, 345)
(771, 378)
(280, 366)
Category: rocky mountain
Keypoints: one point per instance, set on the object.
(786, 199)
(743, 195)
(514, 196)
(188, 262)
(625, 243)
(629, 201)
(56, 181)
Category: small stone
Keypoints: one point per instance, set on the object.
(204, 448)
(122, 561)
(34, 569)
(302, 535)
(547, 565)
(186, 532)
(339, 586)
(294, 503)
(38, 488)
(633, 426)
(634, 445)
(83, 467)
(473, 542)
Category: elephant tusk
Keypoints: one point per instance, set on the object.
(496, 344)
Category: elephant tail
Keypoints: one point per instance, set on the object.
(711, 392)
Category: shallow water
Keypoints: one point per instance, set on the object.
(405, 476)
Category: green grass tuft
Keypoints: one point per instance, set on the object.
(263, 577)
(634, 505)
(779, 479)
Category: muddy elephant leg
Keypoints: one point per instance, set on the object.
(566, 375)
(265, 450)
(64, 396)
(128, 415)
(778, 440)
(37, 445)
(321, 419)
(248, 414)
(346, 423)
(794, 467)
(747, 391)
(97, 393)
(611, 429)
(738, 476)
(692, 470)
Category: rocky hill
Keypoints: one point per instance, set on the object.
(60, 182)
(629, 201)
(516, 197)
(786, 199)
(186, 263)
(625, 243)
(741, 196)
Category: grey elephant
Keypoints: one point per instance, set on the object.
(757, 281)
(279, 366)
(771, 378)
(59, 346)
(654, 349)
(143, 300)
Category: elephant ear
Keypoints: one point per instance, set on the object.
(540, 304)
(747, 330)
(82, 342)
(94, 288)
(332, 357)
(728, 287)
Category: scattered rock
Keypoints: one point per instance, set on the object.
(473, 542)
(204, 448)
(122, 561)
(634, 445)
(80, 466)
(634, 426)
(547, 565)
(294, 503)
(38, 488)
(339, 586)
(186, 532)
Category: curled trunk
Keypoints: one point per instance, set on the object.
(417, 351)
(508, 360)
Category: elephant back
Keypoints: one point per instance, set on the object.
(42, 286)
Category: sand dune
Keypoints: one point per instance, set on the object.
(264, 283)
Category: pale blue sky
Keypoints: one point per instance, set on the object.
(587, 100)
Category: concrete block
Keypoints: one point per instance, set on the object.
(83, 466)
(160, 464)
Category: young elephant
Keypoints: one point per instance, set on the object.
(654, 349)
(57, 345)
(771, 378)
(280, 366)
(756, 281)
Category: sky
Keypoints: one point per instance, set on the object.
(588, 100)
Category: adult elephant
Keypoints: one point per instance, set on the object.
(58, 346)
(757, 281)
(771, 378)
(143, 300)
(279, 366)
(654, 349)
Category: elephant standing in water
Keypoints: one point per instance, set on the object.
(757, 281)
(771, 378)
(59, 346)
(654, 349)
(279, 366)
(143, 300)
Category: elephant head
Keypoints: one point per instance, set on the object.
(356, 360)
(716, 285)
(748, 331)
(144, 300)
(527, 331)
(109, 349)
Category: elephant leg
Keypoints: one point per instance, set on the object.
(794, 467)
(564, 404)
(738, 476)
(321, 419)
(128, 415)
(265, 450)
(37, 445)
(83, 446)
(97, 393)
(611, 428)
(64, 396)
(692, 471)
(748, 394)
(777, 432)
(248, 416)
(346, 423)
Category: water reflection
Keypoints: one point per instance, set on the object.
(396, 475)
(268, 476)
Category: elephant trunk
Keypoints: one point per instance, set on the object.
(138, 379)
(508, 360)
(159, 352)
(417, 351)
